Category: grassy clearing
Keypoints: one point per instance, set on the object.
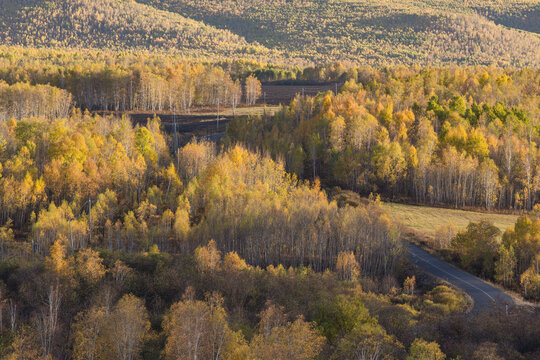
(425, 220)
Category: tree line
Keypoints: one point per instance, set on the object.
(178, 90)
(22, 100)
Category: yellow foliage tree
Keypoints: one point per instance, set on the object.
(347, 266)
(57, 260)
(279, 339)
(90, 266)
(199, 330)
(208, 257)
(424, 350)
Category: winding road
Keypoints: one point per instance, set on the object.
(483, 294)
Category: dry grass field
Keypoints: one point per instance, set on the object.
(425, 220)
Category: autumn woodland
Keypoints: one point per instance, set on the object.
(268, 237)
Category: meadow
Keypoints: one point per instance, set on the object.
(424, 220)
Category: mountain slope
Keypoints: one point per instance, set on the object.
(518, 14)
(113, 24)
(287, 31)
(374, 31)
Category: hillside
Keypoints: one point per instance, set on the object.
(518, 14)
(113, 24)
(378, 31)
(292, 32)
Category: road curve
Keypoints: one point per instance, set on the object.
(483, 294)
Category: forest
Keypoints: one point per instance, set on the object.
(460, 137)
(274, 239)
(102, 219)
(455, 137)
(379, 32)
(286, 32)
(115, 246)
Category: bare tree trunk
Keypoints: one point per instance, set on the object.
(48, 320)
(12, 314)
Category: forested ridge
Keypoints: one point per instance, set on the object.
(114, 25)
(378, 32)
(288, 32)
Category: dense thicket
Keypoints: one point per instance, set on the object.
(453, 136)
(111, 305)
(106, 305)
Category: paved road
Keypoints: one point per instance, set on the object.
(483, 294)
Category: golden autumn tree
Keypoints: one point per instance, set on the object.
(118, 334)
(58, 261)
(208, 257)
(253, 90)
(424, 350)
(347, 266)
(199, 330)
(367, 340)
(280, 339)
(89, 266)
(24, 346)
(88, 334)
(128, 326)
